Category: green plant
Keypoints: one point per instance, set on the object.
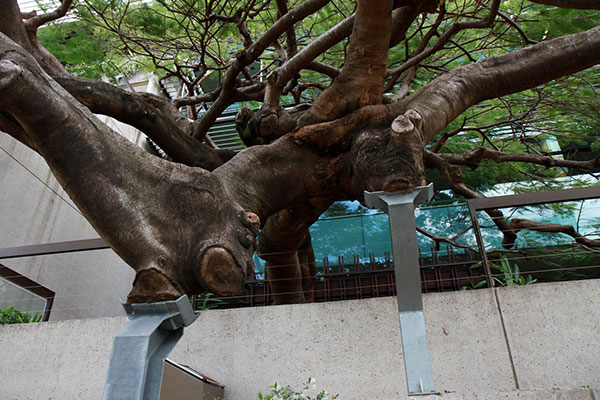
(207, 301)
(11, 315)
(473, 285)
(511, 275)
(287, 393)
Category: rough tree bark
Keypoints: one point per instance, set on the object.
(192, 223)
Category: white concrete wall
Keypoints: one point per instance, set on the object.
(352, 348)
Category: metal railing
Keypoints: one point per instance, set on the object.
(359, 278)
(519, 200)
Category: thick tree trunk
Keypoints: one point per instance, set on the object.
(146, 208)
(362, 79)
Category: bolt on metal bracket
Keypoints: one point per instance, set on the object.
(400, 207)
(140, 348)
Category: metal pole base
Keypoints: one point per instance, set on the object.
(419, 377)
(140, 348)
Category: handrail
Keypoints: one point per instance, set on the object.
(517, 200)
(53, 248)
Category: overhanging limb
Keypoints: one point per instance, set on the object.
(400, 208)
(140, 348)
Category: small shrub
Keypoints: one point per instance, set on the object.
(207, 301)
(11, 315)
(511, 276)
(287, 393)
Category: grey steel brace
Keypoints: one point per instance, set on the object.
(140, 348)
(400, 207)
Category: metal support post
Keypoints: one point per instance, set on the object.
(140, 348)
(400, 208)
(482, 253)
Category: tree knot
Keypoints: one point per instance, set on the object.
(408, 122)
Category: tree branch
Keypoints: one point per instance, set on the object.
(518, 224)
(167, 127)
(323, 68)
(191, 100)
(303, 58)
(473, 158)
(245, 57)
(422, 45)
(522, 33)
(12, 127)
(445, 98)
(11, 24)
(486, 22)
(290, 34)
(437, 239)
(146, 208)
(453, 176)
(280, 244)
(402, 18)
(240, 22)
(39, 20)
(362, 79)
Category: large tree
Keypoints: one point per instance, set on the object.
(351, 96)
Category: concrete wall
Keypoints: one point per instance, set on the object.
(549, 349)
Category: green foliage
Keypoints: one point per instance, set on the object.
(11, 315)
(564, 112)
(181, 37)
(555, 21)
(510, 274)
(472, 284)
(279, 392)
(565, 109)
(207, 301)
(84, 50)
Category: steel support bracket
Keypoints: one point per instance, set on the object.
(140, 348)
(400, 207)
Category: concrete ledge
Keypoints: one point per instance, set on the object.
(554, 333)
(352, 348)
(551, 394)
